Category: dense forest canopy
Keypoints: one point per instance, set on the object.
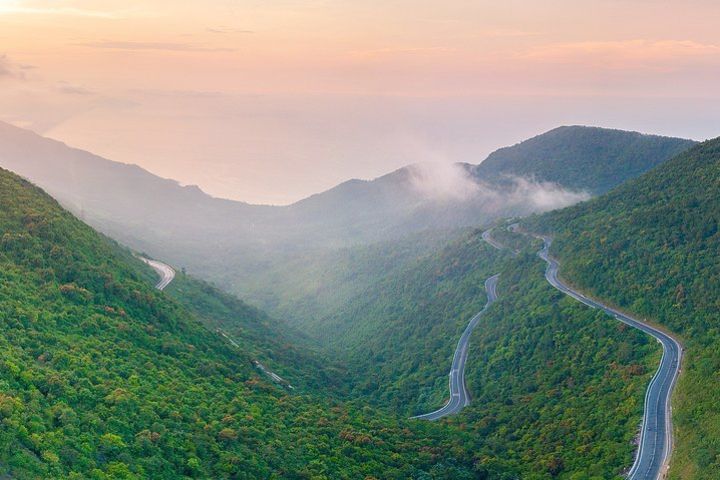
(104, 377)
(651, 246)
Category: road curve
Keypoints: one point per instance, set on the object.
(166, 272)
(656, 439)
(491, 241)
(459, 396)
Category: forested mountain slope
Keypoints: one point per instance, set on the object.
(582, 158)
(314, 284)
(284, 349)
(651, 246)
(557, 388)
(243, 247)
(399, 334)
(104, 377)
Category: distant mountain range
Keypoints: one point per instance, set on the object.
(232, 241)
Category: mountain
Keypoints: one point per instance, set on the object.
(246, 248)
(651, 247)
(557, 390)
(582, 158)
(105, 377)
(116, 196)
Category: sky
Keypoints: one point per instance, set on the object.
(271, 101)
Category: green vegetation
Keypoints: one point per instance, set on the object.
(557, 387)
(103, 377)
(316, 283)
(651, 247)
(582, 158)
(399, 334)
(305, 261)
(277, 345)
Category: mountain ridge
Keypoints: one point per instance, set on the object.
(650, 247)
(105, 377)
(236, 244)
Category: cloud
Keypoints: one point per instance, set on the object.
(540, 196)
(389, 51)
(72, 89)
(167, 46)
(506, 33)
(624, 53)
(442, 181)
(448, 182)
(225, 29)
(21, 123)
(4, 68)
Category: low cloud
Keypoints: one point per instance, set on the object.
(442, 181)
(447, 182)
(539, 196)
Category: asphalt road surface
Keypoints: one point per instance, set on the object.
(166, 272)
(459, 396)
(486, 236)
(656, 440)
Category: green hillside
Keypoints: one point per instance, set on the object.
(277, 345)
(582, 158)
(308, 259)
(651, 246)
(557, 387)
(313, 285)
(399, 334)
(103, 377)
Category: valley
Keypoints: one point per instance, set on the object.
(384, 335)
(336, 240)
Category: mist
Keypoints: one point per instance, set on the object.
(443, 181)
(454, 182)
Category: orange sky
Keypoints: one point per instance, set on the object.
(269, 101)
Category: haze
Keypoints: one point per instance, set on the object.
(269, 102)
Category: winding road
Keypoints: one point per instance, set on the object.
(459, 396)
(491, 241)
(656, 439)
(166, 272)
